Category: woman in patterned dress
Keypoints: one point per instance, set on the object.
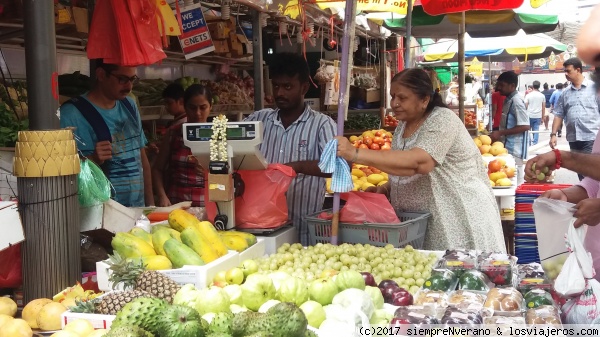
(176, 175)
(434, 166)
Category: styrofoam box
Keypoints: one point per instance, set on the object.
(98, 321)
(255, 251)
(200, 276)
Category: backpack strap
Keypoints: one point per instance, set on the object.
(129, 108)
(93, 117)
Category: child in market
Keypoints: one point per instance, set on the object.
(176, 174)
(173, 98)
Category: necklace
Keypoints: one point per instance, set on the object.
(406, 135)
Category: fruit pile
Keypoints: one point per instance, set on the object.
(373, 139)
(363, 177)
(499, 173)
(391, 121)
(487, 149)
(185, 241)
(471, 119)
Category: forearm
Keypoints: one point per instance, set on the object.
(308, 167)
(556, 123)
(148, 193)
(158, 183)
(575, 194)
(516, 130)
(584, 164)
(398, 163)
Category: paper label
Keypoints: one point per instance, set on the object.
(216, 187)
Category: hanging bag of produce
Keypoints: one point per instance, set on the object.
(363, 207)
(94, 187)
(103, 40)
(552, 219)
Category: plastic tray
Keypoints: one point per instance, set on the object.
(410, 231)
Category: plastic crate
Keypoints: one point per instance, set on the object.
(410, 231)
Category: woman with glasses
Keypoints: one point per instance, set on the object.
(176, 174)
(108, 130)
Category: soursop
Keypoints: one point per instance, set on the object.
(181, 321)
(241, 323)
(128, 331)
(142, 312)
(282, 320)
(219, 334)
(221, 323)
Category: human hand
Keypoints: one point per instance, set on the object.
(555, 194)
(345, 149)
(587, 212)
(539, 167)
(552, 142)
(103, 151)
(163, 201)
(495, 136)
(153, 148)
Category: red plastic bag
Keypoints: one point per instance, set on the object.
(103, 40)
(363, 207)
(10, 267)
(143, 15)
(264, 203)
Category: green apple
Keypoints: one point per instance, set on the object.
(293, 290)
(220, 277)
(350, 279)
(234, 291)
(257, 290)
(314, 312)
(322, 290)
(249, 267)
(267, 305)
(234, 276)
(212, 299)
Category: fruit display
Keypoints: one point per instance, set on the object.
(458, 261)
(466, 300)
(442, 280)
(395, 295)
(499, 173)
(471, 119)
(463, 318)
(532, 276)
(487, 149)
(498, 267)
(503, 301)
(373, 139)
(363, 177)
(436, 302)
(545, 314)
(474, 280)
(412, 317)
(391, 121)
(501, 325)
(537, 297)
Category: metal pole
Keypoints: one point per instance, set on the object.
(257, 50)
(383, 78)
(490, 105)
(407, 60)
(346, 74)
(40, 62)
(461, 69)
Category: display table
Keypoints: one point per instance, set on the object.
(278, 238)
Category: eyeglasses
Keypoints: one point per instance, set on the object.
(124, 79)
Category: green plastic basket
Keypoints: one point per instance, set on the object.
(410, 231)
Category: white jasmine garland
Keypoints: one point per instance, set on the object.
(218, 141)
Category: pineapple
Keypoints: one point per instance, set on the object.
(113, 302)
(132, 274)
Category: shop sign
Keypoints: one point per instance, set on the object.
(195, 39)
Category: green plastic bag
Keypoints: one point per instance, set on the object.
(94, 187)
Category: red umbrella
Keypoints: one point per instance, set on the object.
(439, 7)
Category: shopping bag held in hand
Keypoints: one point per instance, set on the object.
(579, 265)
(364, 207)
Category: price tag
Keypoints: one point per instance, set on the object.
(455, 263)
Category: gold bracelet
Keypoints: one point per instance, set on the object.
(355, 156)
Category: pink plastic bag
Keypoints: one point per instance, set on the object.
(364, 207)
(264, 203)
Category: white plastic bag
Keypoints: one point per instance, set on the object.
(579, 265)
(584, 309)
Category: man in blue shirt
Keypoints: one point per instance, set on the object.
(554, 100)
(123, 159)
(514, 125)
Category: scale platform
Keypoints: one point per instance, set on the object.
(264, 231)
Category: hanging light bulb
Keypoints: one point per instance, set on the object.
(263, 20)
(225, 10)
(283, 27)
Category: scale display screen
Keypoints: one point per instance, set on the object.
(234, 132)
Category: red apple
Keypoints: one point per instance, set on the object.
(385, 283)
(400, 326)
(369, 279)
(402, 298)
(388, 293)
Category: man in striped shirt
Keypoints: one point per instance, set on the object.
(296, 135)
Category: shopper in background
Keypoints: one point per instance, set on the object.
(554, 101)
(435, 166)
(514, 125)
(109, 132)
(296, 135)
(497, 105)
(547, 93)
(174, 105)
(535, 103)
(176, 174)
(578, 107)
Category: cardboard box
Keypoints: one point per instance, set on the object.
(366, 95)
(235, 46)
(98, 321)
(11, 226)
(81, 18)
(62, 15)
(220, 187)
(110, 216)
(246, 44)
(221, 46)
(219, 30)
(199, 276)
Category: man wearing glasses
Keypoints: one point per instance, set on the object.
(109, 132)
(578, 108)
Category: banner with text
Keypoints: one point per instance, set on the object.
(394, 6)
(195, 39)
(439, 7)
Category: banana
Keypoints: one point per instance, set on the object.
(129, 246)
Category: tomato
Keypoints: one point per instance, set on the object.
(378, 140)
(375, 146)
(386, 146)
(363, 146)
(368, 140)
(494, 166)
(378, 133)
